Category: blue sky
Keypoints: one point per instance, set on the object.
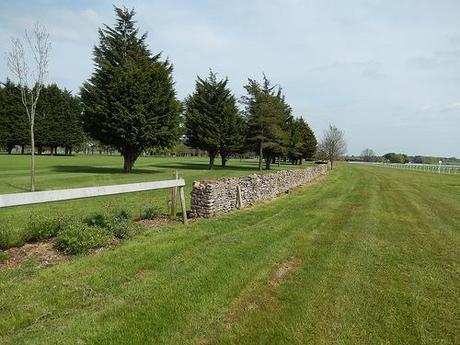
(386, 72)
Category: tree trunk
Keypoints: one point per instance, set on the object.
(32, 162)
(10, 149)
(223, 156)
(212, 157)
(260, 155)
(22, 149)
(268, 160)
(129, 157)
(300, 161)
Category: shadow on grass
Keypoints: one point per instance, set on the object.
(87, 169)
(203, 166)
(24, 189)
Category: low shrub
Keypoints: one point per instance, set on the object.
(3, 256)
(42, 227)
(121, 215)
(78, 238)
(124, 228)
(150, 213)
(5, 237)
(96, 219)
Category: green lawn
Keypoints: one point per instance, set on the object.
(375, 258)
(81, 171)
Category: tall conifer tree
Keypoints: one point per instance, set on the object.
(302, 143)
(14, 129)
(129, 102)
(212, 120)
(268, 119)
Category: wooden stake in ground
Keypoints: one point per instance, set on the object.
(182, 204)
(174, 196)
(239, 198)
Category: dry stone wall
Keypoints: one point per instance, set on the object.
(213, 197)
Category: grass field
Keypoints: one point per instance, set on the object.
(365, 256)
(62, 172)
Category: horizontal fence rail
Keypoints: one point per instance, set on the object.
(440, 168)
(19, 199)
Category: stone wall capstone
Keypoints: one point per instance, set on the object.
(212, 197)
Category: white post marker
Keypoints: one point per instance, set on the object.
(439, 168)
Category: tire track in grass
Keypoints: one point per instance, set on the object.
(262, 294)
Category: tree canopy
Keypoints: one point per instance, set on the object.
(14, 129)
(368, 155)
(302, 143)
(332, 145)
(130, 101)
(268, 118)
(212, 120)
(57, 120)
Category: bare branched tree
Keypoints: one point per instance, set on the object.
(332, 145)
(30, 77)
(368, 155)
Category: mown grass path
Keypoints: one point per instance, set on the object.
(377, 261)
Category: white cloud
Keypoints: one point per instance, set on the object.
(378, 69)
(453, 106)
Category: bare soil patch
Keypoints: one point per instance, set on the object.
(280, 274)
(250, 300)
(43, 252)
(156, 222)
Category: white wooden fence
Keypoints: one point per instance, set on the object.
(436, 168)
(19, 199)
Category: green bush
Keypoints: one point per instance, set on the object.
(121, 215)
(42, 227)
(124, 228)
(3, 256)
(96, 219)
(150, 213)
(5, 237)
(78, 238)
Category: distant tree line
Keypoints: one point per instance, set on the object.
(129, 104)
(57, 121)
(368, 155)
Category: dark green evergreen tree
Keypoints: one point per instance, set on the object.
(74, 136)
(212, 120)
(58, 120)
(268, 118)
(14, 129)
(129, 102)
(302, 143)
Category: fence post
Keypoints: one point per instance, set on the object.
(174, 196)
(240, 199)
(182, 205)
